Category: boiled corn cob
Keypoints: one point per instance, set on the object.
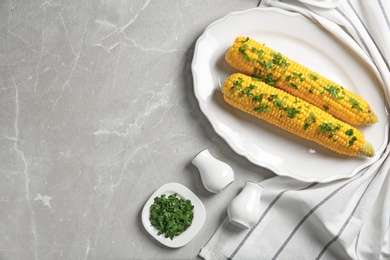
(255, 59)
(294, 115)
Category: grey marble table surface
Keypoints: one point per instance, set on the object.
(97, 112)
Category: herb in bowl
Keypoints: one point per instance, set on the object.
(171, 215)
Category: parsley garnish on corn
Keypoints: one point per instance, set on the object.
(295, 115)
(255, 59)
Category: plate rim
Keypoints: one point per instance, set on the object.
(197, 223)
(236, 149)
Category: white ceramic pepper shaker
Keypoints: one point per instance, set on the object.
(215, 174)
(244, 209)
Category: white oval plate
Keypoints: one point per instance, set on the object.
(264, 144)
(197, 222)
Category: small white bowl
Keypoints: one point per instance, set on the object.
(197, 222)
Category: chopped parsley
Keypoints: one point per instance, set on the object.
(355, 104)
(349, 132)
(256, 71)
(291, 111)
(246, 39)
(237, 84)
(313, 77)
(295, 76)
(310, 120)
(269, 79)
(242, 50)
(352, 140)
(257, 51)
(269, 64)
(329, 128)
(332, 90)
(262, 108)
(258, 98)
(279, 103)
(307, 124)
(313, 116)
(299, 76)
(247, 91)
(171, 215)
(279, 60)
(272, 97)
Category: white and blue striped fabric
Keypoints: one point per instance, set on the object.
(344, 219)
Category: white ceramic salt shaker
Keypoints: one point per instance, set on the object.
(215, 174)
(244, 209)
